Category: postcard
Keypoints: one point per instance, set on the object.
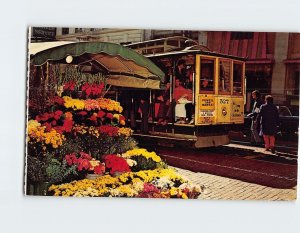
(140, 113)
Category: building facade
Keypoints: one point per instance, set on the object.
(273, 59)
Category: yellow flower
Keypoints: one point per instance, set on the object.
(76, 104)
(127, 132)
(184, 196)
(117, 116)
(142, 152)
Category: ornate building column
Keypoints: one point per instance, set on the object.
(279, 71)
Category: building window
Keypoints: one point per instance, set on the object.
(78, 30)
(241, 35)
(65, 31)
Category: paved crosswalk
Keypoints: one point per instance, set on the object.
(221, 188)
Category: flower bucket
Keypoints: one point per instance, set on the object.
(38, 189)
(117, 174)
(92, 176)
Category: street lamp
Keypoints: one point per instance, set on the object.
(69, 59)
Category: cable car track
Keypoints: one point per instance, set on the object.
(264, 169)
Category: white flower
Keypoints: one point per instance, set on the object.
(163, 183)
(131, 162)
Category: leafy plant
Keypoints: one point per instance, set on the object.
(143, 164)
(58, 172)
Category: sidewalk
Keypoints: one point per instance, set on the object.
(220, 188)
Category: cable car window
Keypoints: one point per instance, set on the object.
(224, 76)
(207, 74)
(237, 78)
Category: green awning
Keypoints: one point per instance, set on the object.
(115, 60)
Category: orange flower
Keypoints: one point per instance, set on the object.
(69, 116)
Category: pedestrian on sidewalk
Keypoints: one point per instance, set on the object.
(255, 126)
(269, 120)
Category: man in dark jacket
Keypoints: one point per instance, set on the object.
(269, 119)
(142, 100)
(255, 139)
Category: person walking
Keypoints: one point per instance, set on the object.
(255, 126)
(269, 118)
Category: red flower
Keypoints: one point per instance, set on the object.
(116, 164)
(99, 169)
(44, 117)
(82, 113)
(59, 129)
(55, 100)
(69, 86)
(85, 156)
(101, 114)
(121, 118)
(109, 130)
(93, 117)
(51, 115)
(109, 115)
(83, 164)
(57, 114)
(71, 159)
(48, 126)
(58, 100)
(38, 118)
(53, 122)
(68, 124)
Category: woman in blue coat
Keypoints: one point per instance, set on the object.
(269, 118)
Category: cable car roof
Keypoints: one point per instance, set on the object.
(192, 51)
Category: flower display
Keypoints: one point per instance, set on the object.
(142, 184)
(109, 130)
(85, 162)
(92, 104)
(73, 124)
(37, 134)
(109, 105)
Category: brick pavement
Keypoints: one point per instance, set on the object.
(221, 188)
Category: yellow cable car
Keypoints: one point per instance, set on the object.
(211, 84)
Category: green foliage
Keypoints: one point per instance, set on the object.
(143, 164)
(58, 172)
(35, 170)
(103, 145)
(71, 73)
(69, 146)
